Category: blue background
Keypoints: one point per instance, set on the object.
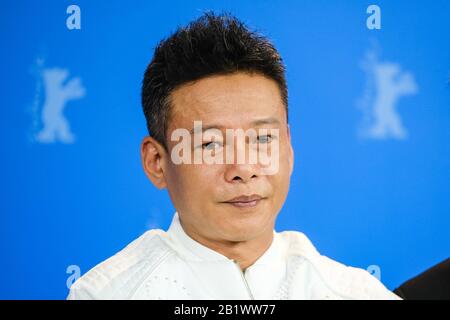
(361, 201)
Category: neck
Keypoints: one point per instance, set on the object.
(247, 253)
(244, 253)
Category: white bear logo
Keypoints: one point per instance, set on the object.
(57, 94)
(387, 83)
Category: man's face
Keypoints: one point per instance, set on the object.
(200, 192)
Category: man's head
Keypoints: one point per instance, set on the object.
(218, 72)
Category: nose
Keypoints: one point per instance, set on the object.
(241, 162)
(243, 173)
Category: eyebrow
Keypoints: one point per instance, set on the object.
(255, 123)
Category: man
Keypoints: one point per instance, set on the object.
(432, 284)
(206, 84)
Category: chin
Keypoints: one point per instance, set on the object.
(243, 230)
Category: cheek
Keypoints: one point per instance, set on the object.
(196, 180)
(281, 180)
(284, 161)
(180, 181)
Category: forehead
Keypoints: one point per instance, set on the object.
(234, 100)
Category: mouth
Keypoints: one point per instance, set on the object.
(245, 201)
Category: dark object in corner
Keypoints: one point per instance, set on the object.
(434, 283)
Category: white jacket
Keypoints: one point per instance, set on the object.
(171, 265)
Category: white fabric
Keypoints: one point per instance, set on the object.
(171, 265)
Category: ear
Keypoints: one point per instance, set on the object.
(153, 155)
(291, 151)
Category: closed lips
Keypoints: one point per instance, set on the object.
(251, 198)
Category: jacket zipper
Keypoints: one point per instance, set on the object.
(244, 280)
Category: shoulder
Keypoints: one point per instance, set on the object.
(343, 281)
(120, 275)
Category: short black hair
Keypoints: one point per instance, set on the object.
(210, 45)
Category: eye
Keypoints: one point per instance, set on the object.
(265, 139)
(212, 145)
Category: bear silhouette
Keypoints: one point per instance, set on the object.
(57, 94)
(391, 84)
